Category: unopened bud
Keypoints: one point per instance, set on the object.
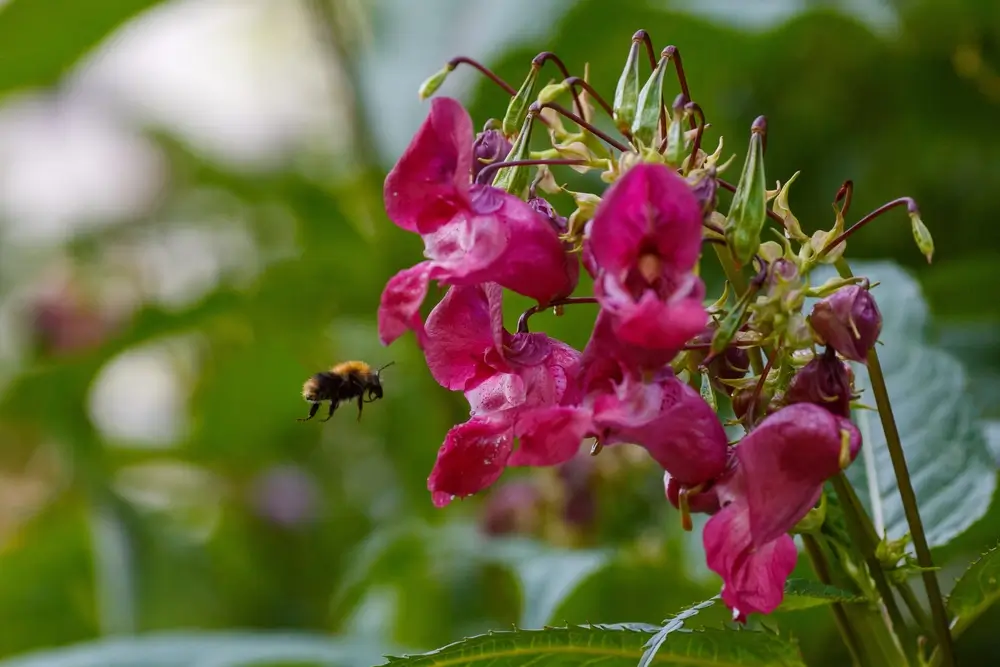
(742, 400)
(733, 364)
(627, 92)
(922, 235)
(490, 146)
(517, 110)
(824, 381)
(849, 321)
(433, 82)
(749, 209)
(647, 117)
(704, 185)
(675, 133)
(515, 180)
(559, 223)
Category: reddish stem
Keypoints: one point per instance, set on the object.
(579, 121)
(696, 109)
(752, 409)
(643, 36)
(911, 207)
(545, 56)
(577, 81)
(846, 192)
(457, 60)
(674, 54)
(522, 322)
(487, 172)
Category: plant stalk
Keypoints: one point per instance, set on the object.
(820, 566)
(909, 498)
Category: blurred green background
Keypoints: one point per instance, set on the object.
(191, 224)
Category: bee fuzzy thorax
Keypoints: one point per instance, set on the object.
(348, 367)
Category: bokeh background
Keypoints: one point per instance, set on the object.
(191, 224)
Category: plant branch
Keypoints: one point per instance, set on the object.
(911, 207)
(579, 121)
(822, 570)
(492, 167)
(909, 498)
(487, 72)
(546, 56)
(522, 322)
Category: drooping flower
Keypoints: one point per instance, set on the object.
(824, 381)
(849, 321)
(644, 241)
(514, 383)
(472, 233)
(776, 477)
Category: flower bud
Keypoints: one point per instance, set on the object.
(824, 381)
(559, 223)
(627, 92)
(515, 179)
(490, 146)
(675, 133)
(732, 364)
(922, 235)
(704, 186)
(742, 398)
(433, 82)
(517, 110)
(647, 118)
(849, 321)
(512, 508)
(749, 209)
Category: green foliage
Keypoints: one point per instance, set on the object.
(611, 645)
(954, 474)
(976, 590)
(805, 594)
(222, 649)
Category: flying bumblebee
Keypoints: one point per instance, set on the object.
(344, 382)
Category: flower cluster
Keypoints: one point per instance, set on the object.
(661, 359)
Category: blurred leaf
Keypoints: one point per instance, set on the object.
(952, 470)
(611, 645)
(223, 649)
(42, 39)
(676, 623)
(805, 593)
(976, 590)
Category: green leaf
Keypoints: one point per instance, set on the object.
(952, 470)
(672, 625)
(611, 646)
(976, 590)
(42, 39)
(222, 649)
(805, 593)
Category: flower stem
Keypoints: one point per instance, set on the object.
(522, 322)
(740, 286)
(575, 81)
(546, 56)
(909, 498)
(579, 121)
(726, 185)
(911, 206)
(643, 37)
(487, 72)
(495, 166)
(822, 569)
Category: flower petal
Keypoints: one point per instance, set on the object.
(496, 393)
(649, 204)
(784, 462)
(432, 178)
(472, 457)
(549, 435)
(399, 307)
(754, 577)
(458, 336)
(656, 324)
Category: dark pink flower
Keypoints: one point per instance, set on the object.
(825, 381)
(490, 146)
(644, 242)
(849, 321)
(472, 233)
(515, 385)
(776, 477)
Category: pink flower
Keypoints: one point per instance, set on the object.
(515, 384)
(644, 242)
(472, 233)
(849, 321)
(776, 477)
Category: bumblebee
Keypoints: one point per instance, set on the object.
(344, 382)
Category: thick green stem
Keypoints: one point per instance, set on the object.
(855, 528)
(909, 498)
(818, 560)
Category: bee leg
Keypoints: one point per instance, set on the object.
(312, 413)
(361, 404)
(333, 407)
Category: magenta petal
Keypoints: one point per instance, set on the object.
(549, 436)
(472, 457)
(399, 308)
(753, 577)
(458, 336)
(656, 324)
(784, 462)
(497, 392)
(534, 262)
(432, 178)
(651, 205)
